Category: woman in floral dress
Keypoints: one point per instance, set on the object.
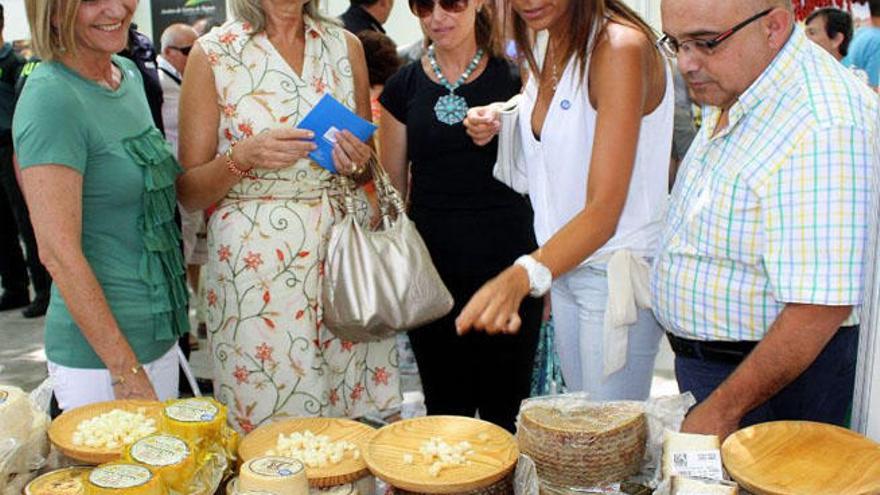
(248, 84)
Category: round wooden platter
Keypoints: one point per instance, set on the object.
(495, 454)
(264, 438)
(63, 427)
(797, 457)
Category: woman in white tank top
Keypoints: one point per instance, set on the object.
(595, 126)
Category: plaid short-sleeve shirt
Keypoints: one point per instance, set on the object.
(773, 209)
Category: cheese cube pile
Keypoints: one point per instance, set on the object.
(440, 455)
(315, 451)
(114, 429)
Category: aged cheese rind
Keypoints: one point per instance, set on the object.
(585, 443)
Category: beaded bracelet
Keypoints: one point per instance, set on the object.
(232, 166)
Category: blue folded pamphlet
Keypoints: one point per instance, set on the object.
(326, 119)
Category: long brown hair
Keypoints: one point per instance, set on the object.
(484, 28)
(582, 16)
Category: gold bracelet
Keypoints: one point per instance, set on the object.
(120, 379)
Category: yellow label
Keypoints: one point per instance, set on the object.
(192, 411)
(279, 467)
(4, 395)
(120, 476)
(160, 450)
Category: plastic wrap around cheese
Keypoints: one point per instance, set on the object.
(274, 474)
(169, 457)
(122, 478)
(199, 420)
(68, 481)
(16, 415)
(688, 486)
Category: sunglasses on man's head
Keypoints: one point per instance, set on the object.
(424, 8)
(183, 49)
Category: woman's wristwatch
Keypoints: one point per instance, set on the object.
(540, 277)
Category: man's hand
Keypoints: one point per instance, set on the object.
(705, 419)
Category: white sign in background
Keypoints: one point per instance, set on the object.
(16, 21)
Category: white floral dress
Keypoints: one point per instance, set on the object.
(272, 356)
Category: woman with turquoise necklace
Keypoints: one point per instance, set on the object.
(472, 224)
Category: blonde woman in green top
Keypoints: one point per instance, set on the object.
(99, 182)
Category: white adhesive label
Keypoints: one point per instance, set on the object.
(279, 467)
(698, 464)
(161, 450)
(192, 411)
(120, 476)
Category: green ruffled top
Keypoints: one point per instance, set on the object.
(162, 264)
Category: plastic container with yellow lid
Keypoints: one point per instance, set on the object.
(199, 419)
(67, 481)
(124, 478)
(170, 457)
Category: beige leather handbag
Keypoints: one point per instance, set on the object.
(379, 282)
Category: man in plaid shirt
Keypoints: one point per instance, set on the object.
(760, 272)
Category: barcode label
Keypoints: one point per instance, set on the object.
(698, 464)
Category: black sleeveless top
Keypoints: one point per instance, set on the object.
(449, 171)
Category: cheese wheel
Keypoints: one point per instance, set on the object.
(68, 481)
(275, 474)
(199, 419)
(122, 478)
(575, 442)
(688, 486)
(675, 443)
(16, 416)
(169, 457)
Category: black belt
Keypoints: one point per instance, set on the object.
(711, 350)
(716, 350)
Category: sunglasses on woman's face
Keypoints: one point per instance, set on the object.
(424, 8)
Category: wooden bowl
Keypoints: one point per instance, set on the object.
(62, 428)
(349, 470)
(495, 454)
(798, 457)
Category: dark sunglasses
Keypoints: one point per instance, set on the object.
(672, 46)
(183, 49)
(424, 8)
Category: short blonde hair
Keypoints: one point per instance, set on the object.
(50, 41)
(251, 12)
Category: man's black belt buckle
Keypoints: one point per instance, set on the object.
(727, 352)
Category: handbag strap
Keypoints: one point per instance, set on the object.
(391, 205)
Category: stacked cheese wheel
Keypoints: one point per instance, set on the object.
(583, 444)
(122, 478)
(67, 481)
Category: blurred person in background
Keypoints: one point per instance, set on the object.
(17, 269)
(832, 29)
(366, 15)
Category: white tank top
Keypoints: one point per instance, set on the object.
(558, 165)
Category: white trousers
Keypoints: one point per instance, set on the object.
(75, 387)
(579, 299)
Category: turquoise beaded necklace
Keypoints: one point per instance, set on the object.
(452, 109)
